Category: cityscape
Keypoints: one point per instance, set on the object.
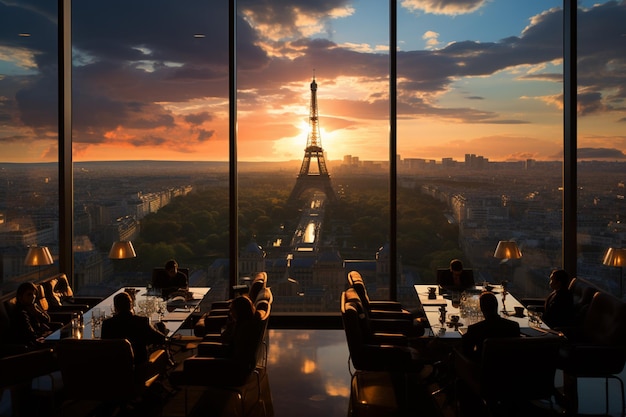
(483, 204)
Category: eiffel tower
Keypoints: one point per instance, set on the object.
(313, 177)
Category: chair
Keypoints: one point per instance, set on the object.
(60, 295)
(19, 370)
(61, 314)
(355, 280)
(239, 368)
(582, 292)
(514, 373)
(371, 351)
(598, 349)
(212, 321)
(7, 346)
(100, 374)
(385, 315)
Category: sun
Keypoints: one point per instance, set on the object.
(304, 130)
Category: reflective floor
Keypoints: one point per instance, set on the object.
(309, 375)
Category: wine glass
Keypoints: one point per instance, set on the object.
(95, 316)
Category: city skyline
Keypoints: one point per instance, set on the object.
(478, 77)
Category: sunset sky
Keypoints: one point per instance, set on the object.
(474, 76)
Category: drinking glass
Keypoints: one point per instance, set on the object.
(95, 317)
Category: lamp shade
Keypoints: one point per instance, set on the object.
(615, 257)
(507, 249)
(122, 250)
(38, 255)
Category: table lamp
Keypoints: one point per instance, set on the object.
(616, 257)
(122, 249)
(507, 249)
(37, 256)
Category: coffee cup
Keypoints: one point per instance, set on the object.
(519, 311)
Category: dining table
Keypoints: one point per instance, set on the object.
(172, 312)
(449, 313)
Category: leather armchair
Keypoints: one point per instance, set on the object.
(8, 347)
(355, 280)
(102, 371)
(60, 295)
(238, 367)
(583, 292)
(59, 316)
(375, 351)
(597, 349)
(513, 372)
(387, 322)
(19, 370)
(386, 315)
(212, 322)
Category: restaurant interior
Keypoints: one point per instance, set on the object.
(368, 357)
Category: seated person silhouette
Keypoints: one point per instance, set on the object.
(136, 329)
(240, 316)
(170, 279)
(492, 326)
(559, 306)
(30, 324)
(456, 278)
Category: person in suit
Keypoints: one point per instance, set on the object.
(136, 329)
(456, 279)
(492, 326)
(172, 280)
(30, 324)
(559, 308)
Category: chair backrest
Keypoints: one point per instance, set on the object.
(22, 368)
(234, 366)
(519, 368)
(356, 282)
(582, 293)
(53, 299)
(40, 297)
(97, 369)
(579, 288)
(605, 321)
(257, 286)
(352, 318)
(263, 303)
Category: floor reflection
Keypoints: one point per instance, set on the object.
(308, 372)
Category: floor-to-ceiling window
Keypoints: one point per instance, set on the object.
(150, 140)
(480, 141)
(29, 202)
(601, 126)
(313, 147)
(480, 138)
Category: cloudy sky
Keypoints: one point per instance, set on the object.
(474, 76)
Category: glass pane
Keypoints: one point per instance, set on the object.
(150, 141)
(313, 147)
(601, 168)
(480, 140)
(29, 198)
